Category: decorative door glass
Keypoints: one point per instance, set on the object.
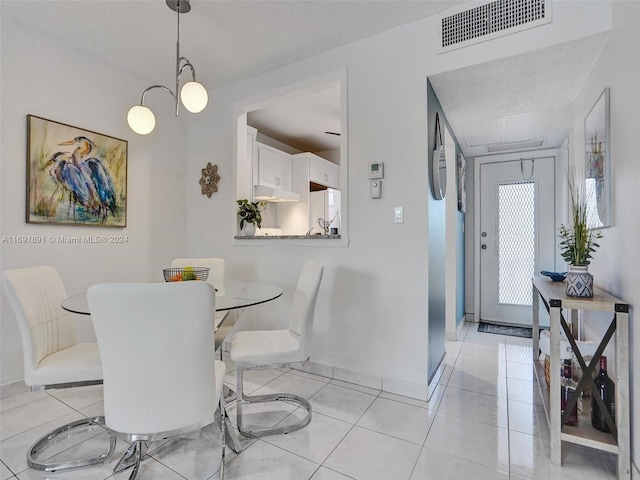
(516, 242)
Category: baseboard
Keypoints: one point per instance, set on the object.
(393, 385)
(454, 335)
(435, 380)
(13, 388)
(419, 391)
(461, 327)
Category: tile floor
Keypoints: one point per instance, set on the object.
(484, 421)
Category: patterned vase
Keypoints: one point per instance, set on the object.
(579, 282)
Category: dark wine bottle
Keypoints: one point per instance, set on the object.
(606, 390)
(567, 391)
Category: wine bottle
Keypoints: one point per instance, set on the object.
(567, 391)
(606, 390)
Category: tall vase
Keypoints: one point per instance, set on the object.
(579, 282)
(249, 229)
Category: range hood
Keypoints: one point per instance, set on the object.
(271, 194)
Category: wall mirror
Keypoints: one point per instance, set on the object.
(439, 164)
(291, 153)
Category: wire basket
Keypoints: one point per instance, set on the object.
(185, 274)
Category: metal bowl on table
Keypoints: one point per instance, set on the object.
(185, 274)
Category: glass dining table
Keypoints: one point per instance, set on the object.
(230, 295)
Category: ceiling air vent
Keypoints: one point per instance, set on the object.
(491, 20)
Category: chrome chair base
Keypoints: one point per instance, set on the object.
(65, 430)
(224, 434)
(138, 448)
(286, 397)
(132, 458)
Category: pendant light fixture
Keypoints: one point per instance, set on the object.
(193, 95)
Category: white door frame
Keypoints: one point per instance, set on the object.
(477, 161)
(451, 210)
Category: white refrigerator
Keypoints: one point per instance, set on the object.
(324, 209)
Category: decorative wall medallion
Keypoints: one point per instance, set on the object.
(209, 179)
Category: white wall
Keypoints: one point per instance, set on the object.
(372, 308)
(615, 266)
(43, 78)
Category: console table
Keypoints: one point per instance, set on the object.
(555, 299)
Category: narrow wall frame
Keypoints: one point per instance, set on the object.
(598, 163)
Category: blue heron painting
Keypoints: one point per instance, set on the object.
(95, 175)
(76, 176)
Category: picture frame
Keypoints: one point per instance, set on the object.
(462, 183)
(75, 176)
(597, 170)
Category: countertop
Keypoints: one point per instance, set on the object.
(287, 237)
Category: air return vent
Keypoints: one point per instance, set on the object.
(491, 20)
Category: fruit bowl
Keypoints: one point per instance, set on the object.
(185, 274)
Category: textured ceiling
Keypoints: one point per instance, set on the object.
(513, 99)
(519, 98)
(227, 40)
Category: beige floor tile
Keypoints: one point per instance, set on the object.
(368, 455)
(435, 465)
(484, 419)
(341, 403)
(399, 420)
(478, 442)
(475, 406)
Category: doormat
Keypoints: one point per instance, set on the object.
(510, 330)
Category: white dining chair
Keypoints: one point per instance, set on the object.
(52, 356)
(224, 320)
(161, 378)
(279, 348)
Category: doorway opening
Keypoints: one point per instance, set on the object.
(516, 233)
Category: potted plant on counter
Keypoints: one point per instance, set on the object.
(250, 216)
(577, 244)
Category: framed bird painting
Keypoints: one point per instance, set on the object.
(75, 176)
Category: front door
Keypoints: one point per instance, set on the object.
(517, 235)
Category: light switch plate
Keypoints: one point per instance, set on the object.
(398, 215)
(375, 186)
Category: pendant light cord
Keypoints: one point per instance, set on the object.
(177, 60)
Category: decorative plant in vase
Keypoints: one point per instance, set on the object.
(577, 243)
(250, 215)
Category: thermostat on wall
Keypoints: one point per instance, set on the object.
(376, 170)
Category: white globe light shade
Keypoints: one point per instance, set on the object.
(141, 119)
(194, 97)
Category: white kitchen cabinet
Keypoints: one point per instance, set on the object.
(321, 171)
(274, 167)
